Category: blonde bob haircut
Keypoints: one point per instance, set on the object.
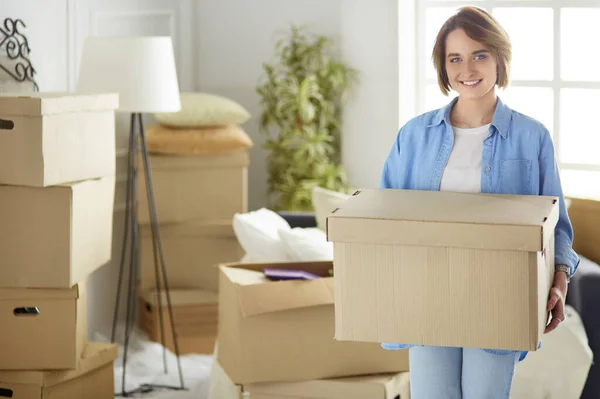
(482, 27)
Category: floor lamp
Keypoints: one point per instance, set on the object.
(142, 71)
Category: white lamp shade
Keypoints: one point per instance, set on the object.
(140, 69)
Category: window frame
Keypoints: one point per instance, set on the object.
(556, 84)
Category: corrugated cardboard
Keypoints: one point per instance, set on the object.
(56, 138)
(188, 188)
(192, 252)
(283, 331)
(382, 386)
(93, 378)
(195, 314)
(42, 329)
(68, 226)
(440, 268)
(585, 217)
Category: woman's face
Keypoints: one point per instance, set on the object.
(471, 68)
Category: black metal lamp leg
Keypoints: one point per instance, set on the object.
(132, 229)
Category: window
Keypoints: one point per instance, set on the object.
(554, 78)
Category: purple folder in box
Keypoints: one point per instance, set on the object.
(285, 274)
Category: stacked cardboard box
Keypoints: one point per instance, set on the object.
(467, 270)
(57, 177)
(276, 339)
(196, 198)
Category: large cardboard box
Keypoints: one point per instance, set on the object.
(42, 329)
(381, 386)
(273, 331)
(54, 237)
(585, 217)
(53, 138)
(443, 268)
(93, 378)
(192, 252)
(188, 188)
(195, 315)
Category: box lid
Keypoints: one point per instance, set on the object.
(221, 228)
(447, 219)
(9, 294)
(257, 295)
(372, 387)
(176, 162)
(95, 355)
(183, 297)
(41, 103)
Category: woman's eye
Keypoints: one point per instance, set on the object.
(480, 57)
(455, 60)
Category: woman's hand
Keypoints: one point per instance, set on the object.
(556, 301)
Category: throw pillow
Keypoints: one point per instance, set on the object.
(258, 234)
(324, 202)
(204, 109)
(210, 140)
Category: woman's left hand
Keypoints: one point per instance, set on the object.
(556, 301)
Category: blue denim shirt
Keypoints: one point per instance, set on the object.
(518, 158)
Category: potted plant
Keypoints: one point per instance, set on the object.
(301, 97)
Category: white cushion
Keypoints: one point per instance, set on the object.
(324, 202)
(204, 109)
(258, 234)
(307, 244)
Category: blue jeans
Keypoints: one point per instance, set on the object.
(455, 373)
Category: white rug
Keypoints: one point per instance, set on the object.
(145, 366)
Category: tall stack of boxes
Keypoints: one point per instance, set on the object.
(57, 178)
(197, 193)
(276, 340)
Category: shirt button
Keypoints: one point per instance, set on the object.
(488, 142)
(487, 169)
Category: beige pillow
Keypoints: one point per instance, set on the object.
(204, 109)
(326, 201)
(214, 140)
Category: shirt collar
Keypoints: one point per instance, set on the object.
(501, 119)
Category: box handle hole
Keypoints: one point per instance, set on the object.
(6, 393)
(26, 311)
(6, 124)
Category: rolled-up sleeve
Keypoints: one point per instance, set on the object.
(550, 185)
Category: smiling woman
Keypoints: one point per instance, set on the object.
(476, 143)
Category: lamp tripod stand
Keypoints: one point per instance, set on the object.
(131, 241)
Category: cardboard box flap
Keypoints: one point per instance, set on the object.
(38, 104)
(449, 219)
(183, 297)
(95, 355)
(32, 294)
(372, 387)
(258, 295)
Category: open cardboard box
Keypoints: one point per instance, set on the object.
(93, 378)
(443, 268)
(273, 331)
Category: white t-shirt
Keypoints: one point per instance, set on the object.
(463, 171)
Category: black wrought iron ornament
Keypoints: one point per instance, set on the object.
(14, 44)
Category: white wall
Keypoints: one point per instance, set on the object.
(220, 47)
(234, 38)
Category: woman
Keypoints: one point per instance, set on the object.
(477, 144)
